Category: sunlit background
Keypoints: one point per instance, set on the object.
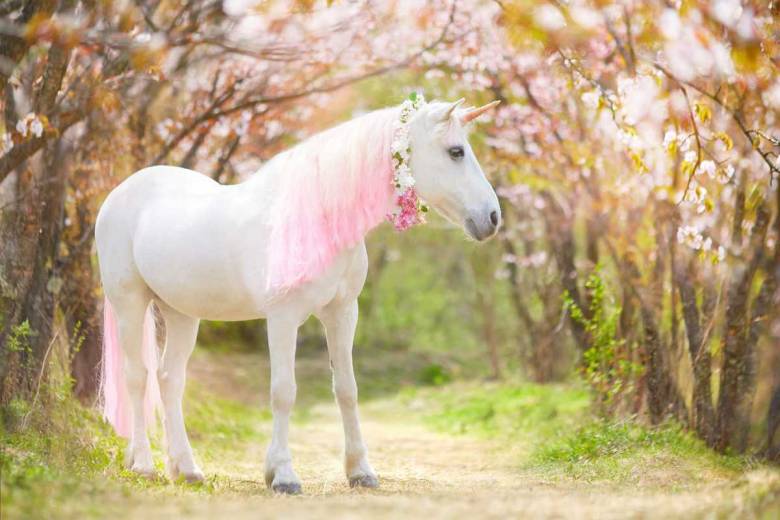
(631, 296)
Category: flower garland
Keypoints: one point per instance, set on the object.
(409, 208)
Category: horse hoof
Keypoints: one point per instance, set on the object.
(364, 481)
(144, 472)
(288, 488)
(193, 478)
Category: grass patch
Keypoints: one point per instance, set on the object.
(630, 452)
(528, 411)
(553, 435)
(60, 450)
(217, 424)
(47, 458)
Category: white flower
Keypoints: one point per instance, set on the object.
(727, 12)
(30, 124)
(591, 98)
(670, 24)
(549, 17)
(238, 7)
(585, 17)
(690, 156)
(669, 137)
(772, 95)
(400, 148)
(721, 253)
(708, 167)
(723, 62)
(405, 180)
(690, 236)
(36, 127)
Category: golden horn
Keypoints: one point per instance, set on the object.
(476, 112)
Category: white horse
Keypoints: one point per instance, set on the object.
(285, 244)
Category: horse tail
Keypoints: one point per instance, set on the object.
(113, 388)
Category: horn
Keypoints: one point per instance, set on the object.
(476, 112)
(452, 108)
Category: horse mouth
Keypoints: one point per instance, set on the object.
(472, 231)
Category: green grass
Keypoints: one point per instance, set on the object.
(551, 432)
(628, 451)
(46, 458)
(59, 459)
(219, 424)
(523, 411)
(60, 449)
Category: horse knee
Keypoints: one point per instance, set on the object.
(171, 383)
(346, 394)
(135, 376)
(283, 395)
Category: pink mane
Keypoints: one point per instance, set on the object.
(334, 188)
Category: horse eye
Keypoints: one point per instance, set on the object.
(456, 152)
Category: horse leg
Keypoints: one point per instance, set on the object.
(181, 333)
(340, 322)
(130, 310)
(282, 334)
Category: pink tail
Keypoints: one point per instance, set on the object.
(116, 403)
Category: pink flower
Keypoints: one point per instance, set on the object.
(409, 213)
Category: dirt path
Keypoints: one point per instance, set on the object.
(424, 474)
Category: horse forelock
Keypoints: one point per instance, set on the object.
(334, 188)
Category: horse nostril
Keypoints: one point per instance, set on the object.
(494, 218)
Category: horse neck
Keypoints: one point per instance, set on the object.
(328, 193)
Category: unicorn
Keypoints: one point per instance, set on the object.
(285, 244)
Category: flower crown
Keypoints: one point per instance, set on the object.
(409, 209)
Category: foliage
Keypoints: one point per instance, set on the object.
(18, 339)
(609, 365)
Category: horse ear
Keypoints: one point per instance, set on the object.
(476, 112)
(443, 114)
(451, 109)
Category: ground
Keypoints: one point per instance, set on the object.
(430, 465)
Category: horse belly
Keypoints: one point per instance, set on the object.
(190, 260)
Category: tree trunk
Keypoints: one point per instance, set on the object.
(737, 378)
(30, 234)
(701, 360)
(80, 304)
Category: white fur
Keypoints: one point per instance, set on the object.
(198, 249)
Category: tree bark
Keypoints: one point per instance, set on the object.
(701, 360)
(79, 301)
(738, 370)
(31, 233)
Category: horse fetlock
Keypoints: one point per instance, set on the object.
(359, 471)
(139, 460)
(364, 481)
(282, 479)
(184, 466)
